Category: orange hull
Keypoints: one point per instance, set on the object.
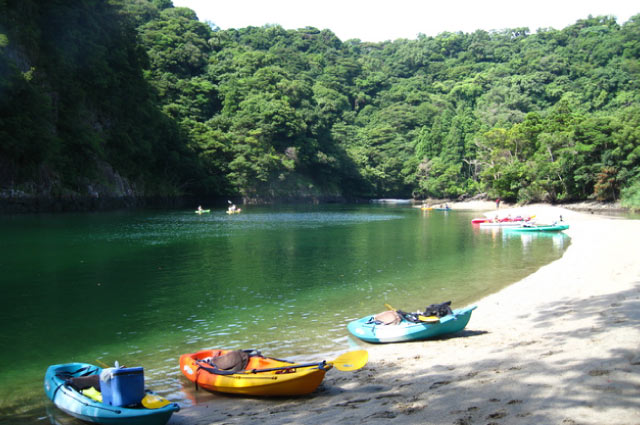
(288, 381)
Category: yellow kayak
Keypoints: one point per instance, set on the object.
(261, 376)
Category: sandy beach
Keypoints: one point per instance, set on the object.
(558, 347)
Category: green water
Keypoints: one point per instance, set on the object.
(144, 287)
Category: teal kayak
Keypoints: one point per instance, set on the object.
(79, 405)
(367, 329)
(538, 228)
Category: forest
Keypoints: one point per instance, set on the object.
(139, 98)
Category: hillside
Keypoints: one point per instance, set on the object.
(136, 99)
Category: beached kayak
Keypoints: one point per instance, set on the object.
(490, 224)
(480, 220)
(499, 222)
(84, 405)
(261, 376)
(370, 330)
(540, 228)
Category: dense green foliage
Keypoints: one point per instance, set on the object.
(273, 113)
(75, 106)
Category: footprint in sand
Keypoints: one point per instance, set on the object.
(463, 421)
(498, 415)
(438, 384)
(383, 415)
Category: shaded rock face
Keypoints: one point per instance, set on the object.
(113, 185)
(108, 190)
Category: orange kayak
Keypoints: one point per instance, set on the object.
(262, 376)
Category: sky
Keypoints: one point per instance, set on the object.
(381, 20)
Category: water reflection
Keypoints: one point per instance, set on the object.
(559, 240)
(143, 288)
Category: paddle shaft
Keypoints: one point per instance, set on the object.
(250, 371)
(352, 360)
(421, 318)
(293, 366)
(103, 364)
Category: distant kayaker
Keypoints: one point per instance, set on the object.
(497, 203)
(200, 208)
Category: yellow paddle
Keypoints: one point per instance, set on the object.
(426, 319)
(154, 401)
(351, 360)
(103, 364)
(347, 362)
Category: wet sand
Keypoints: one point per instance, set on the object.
(561, 346)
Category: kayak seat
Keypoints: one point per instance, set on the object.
(232, 361)
(80, 383)
(389, 317)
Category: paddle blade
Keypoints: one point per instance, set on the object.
(154, 401)
(429, 319)
(352, 360)
(387, 306)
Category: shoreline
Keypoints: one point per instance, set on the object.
(557, 347)
(591, 207)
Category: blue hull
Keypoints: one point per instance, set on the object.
(409, 331)
(75, 404)
(554, 228)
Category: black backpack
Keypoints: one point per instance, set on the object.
(439, 310)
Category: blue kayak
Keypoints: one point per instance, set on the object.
(539, 228)
(368, 330)
(82, 407)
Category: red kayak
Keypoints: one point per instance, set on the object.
(500, 220)
(479, 220)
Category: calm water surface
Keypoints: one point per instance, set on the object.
(144, 287)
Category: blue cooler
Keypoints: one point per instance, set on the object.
(124, 386)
